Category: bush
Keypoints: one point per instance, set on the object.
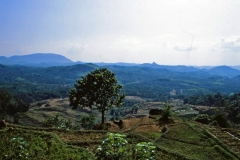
(115, 147)
(144, 150)
(202, 118)
(58, 122)
(20, 147)
(221, 120)
(88, 121)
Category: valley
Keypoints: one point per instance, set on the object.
(201, 105)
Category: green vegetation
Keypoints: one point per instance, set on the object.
(191, 142)
(58, 122)
(170, 137)
(154, 84)
(227, 108)
(98, 90)
(167, 112)
(88, 121)
(202, 118)
(27, 144)
(116, 147)
(10, 105)
(184, 140)
(113, 147)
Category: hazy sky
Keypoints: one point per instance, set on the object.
(176, 32)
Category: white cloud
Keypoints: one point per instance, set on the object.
(76, 49)
(183, 48)
(229, 44)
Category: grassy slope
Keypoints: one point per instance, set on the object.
(182, 140)
(21, 143)
(39, 112)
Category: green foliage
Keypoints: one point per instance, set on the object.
(167, 112)
(202, 118)
(99, 90)
(116, 147)
(54, 82)
(88, 121)
(10, 104)
(22, 144)
(6, 101)
(221, 120)
(20, 148)
(207, 100)
(58, 122)
(144, 150)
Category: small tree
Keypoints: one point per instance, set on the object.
(167, 112)
(99, 90)
(6, 102)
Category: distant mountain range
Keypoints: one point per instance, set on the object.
(36, 59)
(51, 59)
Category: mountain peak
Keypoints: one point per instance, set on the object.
(36, 59)
(224, 71)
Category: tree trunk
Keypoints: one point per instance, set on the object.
(103, 113)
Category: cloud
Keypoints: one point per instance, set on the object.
(229, 44)
(76, 49)
(183, 48)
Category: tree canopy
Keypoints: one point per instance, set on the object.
(99, 90)
(10, 105)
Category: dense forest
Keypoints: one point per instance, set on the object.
(28, 84)
(156, 84)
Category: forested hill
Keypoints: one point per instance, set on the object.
(36, 59)
(35, 83)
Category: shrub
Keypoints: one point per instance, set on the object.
(88, 121)
(221, 120)
(113, 147)
(58, 122)
(202, 118)
(20, 148)
(144, 150)
(116, 147)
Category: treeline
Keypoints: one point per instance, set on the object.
(33, 83)
(230, 105)
(129, 107)
(30, 92)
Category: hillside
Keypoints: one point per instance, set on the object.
(175, 140)
(224, 71)
(52, 59)
(36, 59)
(38, 83)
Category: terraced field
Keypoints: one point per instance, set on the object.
(177, 140)
(228, 136)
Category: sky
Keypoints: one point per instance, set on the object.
(167, 32)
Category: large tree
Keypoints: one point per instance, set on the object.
(99, 90)
(10, 105)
